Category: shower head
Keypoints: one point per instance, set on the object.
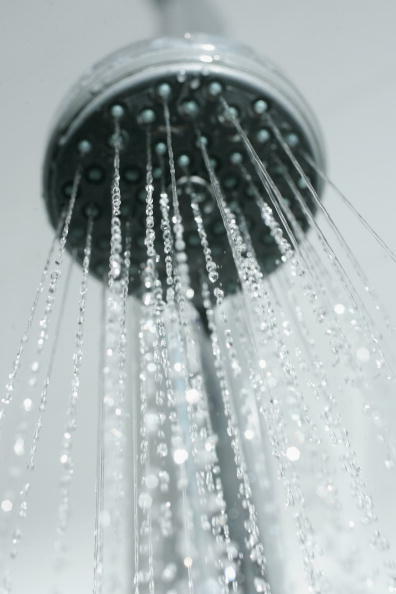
(195, 76)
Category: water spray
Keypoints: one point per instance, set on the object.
(188, 175)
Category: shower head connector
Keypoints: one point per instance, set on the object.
(194, 76)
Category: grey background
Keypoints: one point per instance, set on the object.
(342, 56)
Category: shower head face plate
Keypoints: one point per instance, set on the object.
(192, 88)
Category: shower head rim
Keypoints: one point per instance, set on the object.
(245, 61)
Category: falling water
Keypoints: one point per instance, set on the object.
(99, 485)
(22, 503)
(66, 457)
(225, 459)
(55, 274)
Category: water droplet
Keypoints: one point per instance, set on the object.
(249, 434)
(145, 500)
(28, 404)
(230, 573)
(363, 354)
(188, 562)
(213, 276)
(6, 505)
(19, 446)
(339, 309)
(192, 396)
(180, 456)
(293, 453)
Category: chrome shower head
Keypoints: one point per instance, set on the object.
(193, 76)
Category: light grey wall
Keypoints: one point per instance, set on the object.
(341, 54)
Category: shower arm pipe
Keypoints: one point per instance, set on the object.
(178, 17)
